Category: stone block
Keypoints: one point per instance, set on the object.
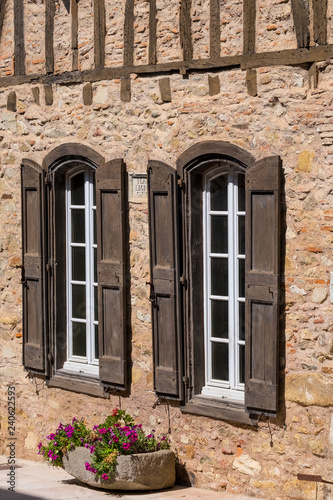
(309, 389)
(304, 163)
(145, 471)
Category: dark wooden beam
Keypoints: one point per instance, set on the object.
(300, 11)
(165, 89)
(129, 33)
(125, 89)
(313, 76)
(49, 32)
(75, 26)
(249, 26)
(251, 82)
(152, 53)
(214, 33)
(99, 33)
(289, 57)
(19, 49)
(214, 85)
(320, 21)
(185, 29)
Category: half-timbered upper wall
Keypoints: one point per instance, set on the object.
(49, 38)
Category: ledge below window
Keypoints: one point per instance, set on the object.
(75, 384)
(209, 407)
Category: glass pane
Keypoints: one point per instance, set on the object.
(79, 301)
(78, 264)
(77, 189)
(241, 192)
(241, 234)
(94, 189)
(96, 342)
(95, 265)
(79, 339)
(242, 364)
(78, 226)
(218, 193)
(219, 233)
(220, 361)
(219, 276)
(94, 227)
(95, 303)
(219, 318)
(241, 306)
(241, 291)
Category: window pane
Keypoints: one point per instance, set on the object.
(78, 263)
(95, 303)
(95, 265)
(94, 189)
(79, 301)
(241, 234)
(220, 361)
(77, 189)
(94, 228)
(219, 233)
(219, 318)
(79, 339)
(241, 292)
(242, 364)
(241, 320)
(78, 226)
(218, 193)
(96, 342)
(219, 276)
(241, 192)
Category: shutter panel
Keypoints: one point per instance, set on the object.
(263, 193)
(112, 336)
(33, 267)
(165, 280)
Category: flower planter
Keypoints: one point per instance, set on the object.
(145, 471)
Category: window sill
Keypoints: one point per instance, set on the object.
(214, 408)
(80, 384)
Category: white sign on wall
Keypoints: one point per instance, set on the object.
(138, 187)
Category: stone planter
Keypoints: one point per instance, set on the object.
(145, 471)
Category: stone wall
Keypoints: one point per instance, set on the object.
(287, 118)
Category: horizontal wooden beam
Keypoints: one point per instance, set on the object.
(289, 57)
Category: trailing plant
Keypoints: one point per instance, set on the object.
(117, 435)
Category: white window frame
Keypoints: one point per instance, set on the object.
(232, 389)
(89, 364)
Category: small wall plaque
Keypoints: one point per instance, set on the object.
(138, 187)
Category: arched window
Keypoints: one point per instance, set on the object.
(75, 327)
(215, 249)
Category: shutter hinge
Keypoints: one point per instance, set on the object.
(183, 280)
(49, 267)
(181, 183)
(185, 380)
(50, 358)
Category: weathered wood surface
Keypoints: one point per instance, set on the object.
(129, 33)
(75, 29)
(19, 49)
(288, 57)
(249, 26)
(301, 15)
(152, 54)
(99, 33)
(185, 30)
(215, 33)
(320, 21)
(49, 33)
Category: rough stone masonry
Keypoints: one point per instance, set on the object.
(289, 116)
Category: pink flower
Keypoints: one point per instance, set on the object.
(105, 477)
(126, 446)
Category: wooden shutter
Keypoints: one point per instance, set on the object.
(33, 267)
(112, 336)
(263, 192)
(165, 280)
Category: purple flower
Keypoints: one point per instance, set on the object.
(105, 477)
(126, 446)
(102, 431)
(74, 420)
(87, 465)
(115, 439)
